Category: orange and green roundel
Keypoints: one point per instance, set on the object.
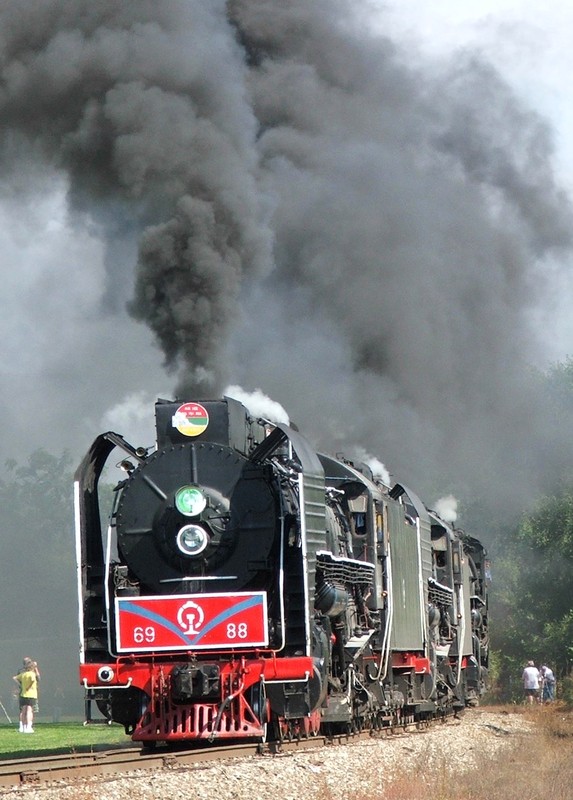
(191, 419)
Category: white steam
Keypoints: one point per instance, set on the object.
(447, 508)
(132, 417)
(258, 404)
(377, 467)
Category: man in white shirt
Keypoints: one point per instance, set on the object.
(530, 679)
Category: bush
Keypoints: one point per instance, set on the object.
(565, 690)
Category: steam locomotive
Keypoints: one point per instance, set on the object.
(249, 587)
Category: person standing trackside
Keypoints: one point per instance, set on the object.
(530, 679)
(547, 684)
(27, 680)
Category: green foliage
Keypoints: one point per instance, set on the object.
(549, 528)
(37, 546)
(565, 690)
(559, 384)
(39, 596)
(532, 593)
(532, 599)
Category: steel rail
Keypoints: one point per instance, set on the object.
(74, 766)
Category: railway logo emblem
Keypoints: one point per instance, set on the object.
(190, 617)
(190, 419)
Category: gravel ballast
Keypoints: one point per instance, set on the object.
(341, 772)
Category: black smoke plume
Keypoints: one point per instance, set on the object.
(305, 212)
(144, 107)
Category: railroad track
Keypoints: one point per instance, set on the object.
(73, 766)
(108, 762)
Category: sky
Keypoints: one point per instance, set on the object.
(361, 210)
(529, 44)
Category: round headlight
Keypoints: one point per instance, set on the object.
(190, 501)
(105, 674)
(192, 540)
